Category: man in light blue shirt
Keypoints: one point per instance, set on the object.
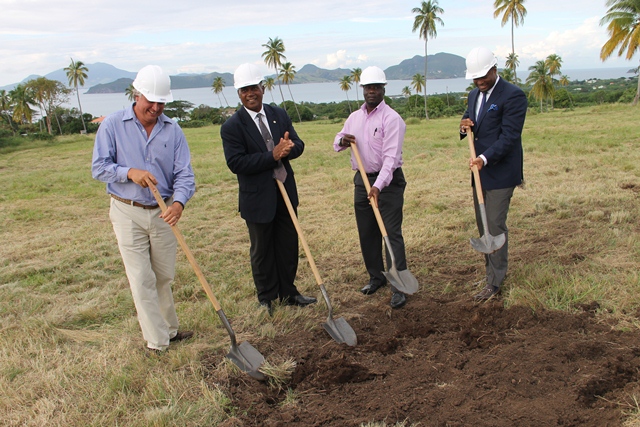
(133, 147)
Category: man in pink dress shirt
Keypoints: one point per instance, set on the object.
(378, 132)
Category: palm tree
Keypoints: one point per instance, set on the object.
(217, 86)
(130, 92)
(355, 78)
(564, 81)
(273, 57)
(269, 84)
(406, 91)
(6, 106)
(553, 63)
(345, 85)
(287, 73)
(512, 63)
(76, 73)
(515, 11)
(22, 99)
(418, 82)
(425, 22)
(623, 18)
(540, 79)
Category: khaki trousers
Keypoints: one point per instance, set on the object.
(148, 248)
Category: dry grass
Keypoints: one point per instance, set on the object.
(71, 353)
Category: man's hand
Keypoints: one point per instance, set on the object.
(283, 148)
(173, 213)
(347, 140)
(465, 125)
(476, 162)
(140, 176)
(373, 196)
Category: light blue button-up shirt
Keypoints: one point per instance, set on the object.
(121, 144)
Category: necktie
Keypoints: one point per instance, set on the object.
(481, 110)
(279, 172)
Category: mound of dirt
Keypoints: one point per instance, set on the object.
(446, 361)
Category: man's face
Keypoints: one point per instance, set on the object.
(251, 97)
(146, 111)
(373, 94)
(485, 83)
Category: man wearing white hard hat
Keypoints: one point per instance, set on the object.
(378, 132)
(259, 142)
(496, 112)
(133, 147)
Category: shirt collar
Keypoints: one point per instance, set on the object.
(253, 114)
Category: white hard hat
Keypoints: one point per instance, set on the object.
(479, 61)
(247, 75)
(154, 84)
(372, 75)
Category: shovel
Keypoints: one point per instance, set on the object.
(245, 356)
(338, 328)
(403, 281)
(487, 244)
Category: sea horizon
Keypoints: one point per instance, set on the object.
(106, 103)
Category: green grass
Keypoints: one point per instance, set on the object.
(71, 353)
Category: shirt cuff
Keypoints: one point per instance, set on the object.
(484, 159)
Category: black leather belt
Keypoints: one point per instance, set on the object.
(373, 174)
(136, 204)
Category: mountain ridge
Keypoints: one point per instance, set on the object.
(106, 78)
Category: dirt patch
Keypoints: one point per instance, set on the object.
(445, 361)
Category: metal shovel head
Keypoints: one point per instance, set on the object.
(488, 244)
(247, 358)
(403, 281)
(340, 331)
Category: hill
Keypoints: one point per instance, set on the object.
(105, 78)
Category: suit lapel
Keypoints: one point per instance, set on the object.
(273, 123)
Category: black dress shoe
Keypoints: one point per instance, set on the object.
(268, 306)
(181, 335)
(398, 300)
(371, 288)
(301, 300)
(486, 293)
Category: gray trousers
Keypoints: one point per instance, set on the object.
(497, 207)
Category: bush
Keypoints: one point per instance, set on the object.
(41, 136)
(193, 124)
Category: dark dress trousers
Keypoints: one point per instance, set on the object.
(274, 240)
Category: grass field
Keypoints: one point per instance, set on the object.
(71, 349)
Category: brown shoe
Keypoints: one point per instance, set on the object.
(181, 335)
(486, 293)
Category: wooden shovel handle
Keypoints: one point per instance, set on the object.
(474, 169)
(296, 223)
(365, 178)
(186, 250)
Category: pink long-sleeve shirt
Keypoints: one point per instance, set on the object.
(379, 136)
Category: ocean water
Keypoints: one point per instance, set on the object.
(106, 103)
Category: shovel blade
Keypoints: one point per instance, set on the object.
(248, 359)
(488, 244)
(340, 331)
(403, 281)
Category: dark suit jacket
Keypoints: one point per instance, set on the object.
(498, 134)
(247, 157)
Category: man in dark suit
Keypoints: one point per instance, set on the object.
(496, 112)
(259, 141)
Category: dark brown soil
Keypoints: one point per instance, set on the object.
(446, 361)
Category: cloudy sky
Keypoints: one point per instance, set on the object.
(196, 36)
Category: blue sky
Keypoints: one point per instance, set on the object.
(195, 36)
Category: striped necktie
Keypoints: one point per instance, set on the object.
(279, 172)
